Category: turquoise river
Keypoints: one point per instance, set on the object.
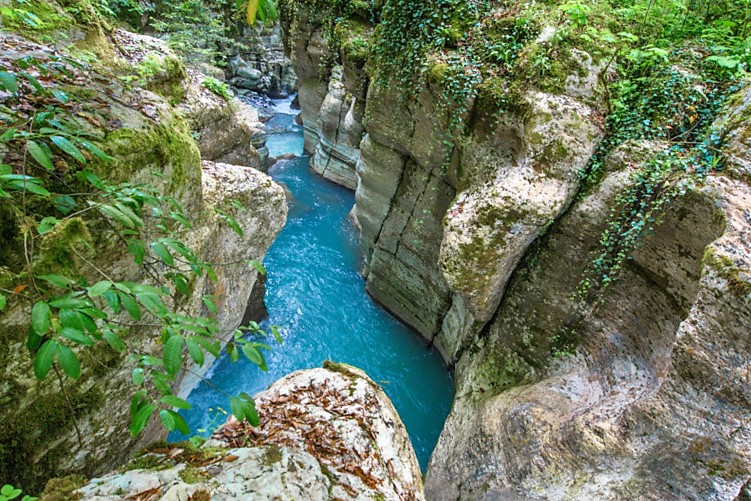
(316, 295)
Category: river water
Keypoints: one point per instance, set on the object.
(316, 295)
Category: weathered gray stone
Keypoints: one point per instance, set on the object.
(325, 434)
(228, 131)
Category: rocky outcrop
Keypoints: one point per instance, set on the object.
(634, 414)
(427, 210)
(264, 217)
(332, 101)
(324, 434)
(86, 429)
(338, 135)
(480, 243)
(227, 131)
(261, 65)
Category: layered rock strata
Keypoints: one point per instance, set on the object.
(481, 246)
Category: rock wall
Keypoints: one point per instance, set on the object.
(260, 64)
(332, 100)
(480, 247)
(435, 218)
(347, 442)
(145, 134)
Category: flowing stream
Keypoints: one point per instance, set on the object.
(315, 293)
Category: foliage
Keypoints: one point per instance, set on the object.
(8, 492)
(205, 30)
(52, 197)
(221, 89)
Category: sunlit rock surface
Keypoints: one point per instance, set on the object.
(325, 434)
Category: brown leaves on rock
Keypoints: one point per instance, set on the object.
(311, 418)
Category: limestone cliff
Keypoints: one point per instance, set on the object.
(325, 434)
(480, 240)
(136, 95)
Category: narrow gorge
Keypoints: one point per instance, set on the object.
(375, 249)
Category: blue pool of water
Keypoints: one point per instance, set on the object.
(315, 293)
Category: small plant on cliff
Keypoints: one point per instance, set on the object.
(221, 89)
(8, 492)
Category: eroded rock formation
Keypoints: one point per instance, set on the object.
(483, 254)
(325, 434)
(151, 143)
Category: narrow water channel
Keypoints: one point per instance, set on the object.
(315, 293)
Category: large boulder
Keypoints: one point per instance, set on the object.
(325, 434)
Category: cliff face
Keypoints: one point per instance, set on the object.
(47, 433)
(260, 64)
(347, 442)
(484, 255)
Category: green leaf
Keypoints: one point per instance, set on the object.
(60, 95)
(118, 216)
(69, 301)
(69, 148)
(167, 420)
(40, 155)
(33, 81)
(213, 347)
(57, 281)
(149, 360)
(153, 303)
(65, 204)
(174, 401)
(250, 413)
(195, 351)
(44, 358)
(31, 187)
(95, 150)
(233, 224)
(163, 253)
(4, 302)
(71, 319)
(8, 135)
(253, 354)
(113, 301)
(161, 382)
(180, 424)
(10, 492)
(173, 355)
(99, 288)
(130, 306)
(92, 179)
(76, 336)
(210, 305)
(234, 353)
(8, 82)
(68, 361)
(181, 219)
(139, 420)
(40, 318)
(47, 224)
(235, 406)
(277, 334)
(137, 376)
(114, 341)
(136, 249)
(258, 266)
